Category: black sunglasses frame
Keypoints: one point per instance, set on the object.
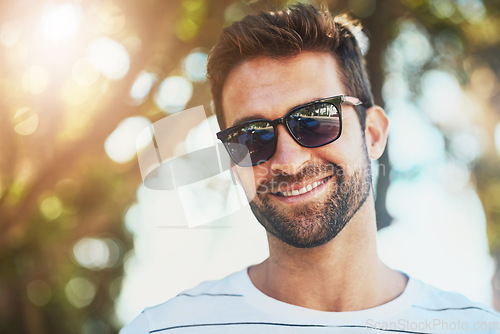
(336, 101)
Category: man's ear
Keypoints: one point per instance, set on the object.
(376, 131)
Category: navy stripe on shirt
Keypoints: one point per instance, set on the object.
(457, 309)
(286, 325)
(210, 294)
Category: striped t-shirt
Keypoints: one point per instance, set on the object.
(235, 305)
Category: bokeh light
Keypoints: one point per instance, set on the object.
(110, 19)
(466, 146)
(93, 326)
(109, 57)
(61, 22)
(442, 8)
(235, 12)
(195, 66)
(455, 176)
(472, 10)
(173, 94)
(442, 99)
(395, 87)
(35, 80)
(142, 86)
(448, 44)
(25, 121)
(413, 44)
(497, 137)
(362, 8)
(84, 73)
(192, 15)
(413, 142)
(10, 33)
(121, 146)
(433, 143)
(96, 254)
(132, 219)
(484, 82)
(51, 207)
(74, 94)
(80, 291)
(38, 292)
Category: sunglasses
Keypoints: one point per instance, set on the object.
(313, 124)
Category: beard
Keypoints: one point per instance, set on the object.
(314, 224)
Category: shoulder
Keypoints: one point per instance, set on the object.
(442, 304)
(204, 300)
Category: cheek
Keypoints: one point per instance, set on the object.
(250, 178)
(261, 173)
(347, 157)
(334, 152)
(348, 149)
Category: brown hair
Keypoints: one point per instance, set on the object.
(285, 34)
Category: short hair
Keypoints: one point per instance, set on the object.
(285, 34)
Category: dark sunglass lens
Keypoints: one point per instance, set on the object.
(316, 124)
(251, 143)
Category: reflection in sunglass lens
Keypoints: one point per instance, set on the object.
(251, 143)
(316, 124)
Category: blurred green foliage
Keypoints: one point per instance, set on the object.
(62, 197)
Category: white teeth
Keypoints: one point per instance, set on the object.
(302, 190)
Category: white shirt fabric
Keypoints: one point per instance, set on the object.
(235, 305)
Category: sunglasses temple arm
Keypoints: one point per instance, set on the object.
(352, 100)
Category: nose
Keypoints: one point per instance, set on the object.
(289, 157)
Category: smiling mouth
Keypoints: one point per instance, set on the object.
(303, 190)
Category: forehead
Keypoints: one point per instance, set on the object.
(265, 87)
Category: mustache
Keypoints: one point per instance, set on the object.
(309, 172)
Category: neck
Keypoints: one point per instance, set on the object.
(343, 275)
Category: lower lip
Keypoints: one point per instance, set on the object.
(304, 196)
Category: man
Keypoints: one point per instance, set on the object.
(292, 97)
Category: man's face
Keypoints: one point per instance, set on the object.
(303, 196)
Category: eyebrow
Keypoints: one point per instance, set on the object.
(259, 117)
(246, 119)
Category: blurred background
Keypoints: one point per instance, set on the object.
(84, 246)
